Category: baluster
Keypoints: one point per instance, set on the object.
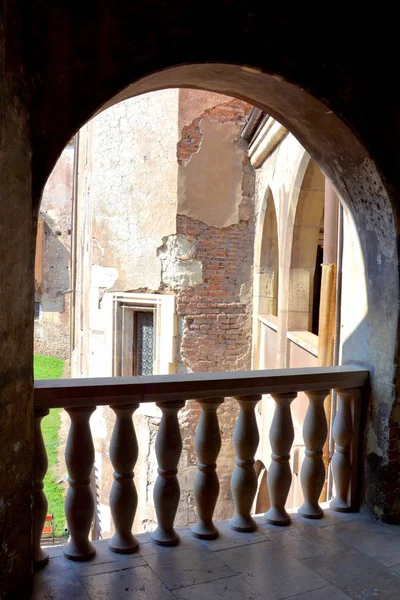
(79, 503)
(166, 489)
(279, 477)
(123, 496)
(207, 443)
(341, 463)
(40, 557)
(244, 478)
(312, 474)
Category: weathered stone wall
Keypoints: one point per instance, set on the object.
(17, 231)
(53, 293)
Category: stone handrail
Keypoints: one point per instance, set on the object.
(80, 397)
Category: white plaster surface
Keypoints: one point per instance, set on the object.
(133, 186)
(179, 267)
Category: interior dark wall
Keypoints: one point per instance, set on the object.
(79, 55)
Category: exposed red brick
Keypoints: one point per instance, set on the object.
(234, 111)
(216, 322)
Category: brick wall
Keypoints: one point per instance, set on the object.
(217, 314)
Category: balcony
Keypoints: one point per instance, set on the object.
(277, 555)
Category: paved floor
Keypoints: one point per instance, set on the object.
(336, 558)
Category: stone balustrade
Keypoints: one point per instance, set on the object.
(79, 397)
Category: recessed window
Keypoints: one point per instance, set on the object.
(135, 330)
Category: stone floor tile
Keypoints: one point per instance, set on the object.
(230, 588)
(303, 561)
(374, 539)
(389, 561)
(60, 563)
(332, 517)
(62, 584)
(228, 538)
(184, 532)
(349, 568)
(326, 593)
(103, 554)
(379, 589)
(369, 526)
(185, 543)
(271, 571)
(395, 569)
(187, 566)
(142, 538)
(266, 528)
(55, 551)
(138, 584)
(305, 542)
(127, 561)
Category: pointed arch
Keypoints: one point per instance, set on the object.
(266, 269)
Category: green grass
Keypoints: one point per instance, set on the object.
(47, 367)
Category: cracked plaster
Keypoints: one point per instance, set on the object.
(179, 266)
(133, 186)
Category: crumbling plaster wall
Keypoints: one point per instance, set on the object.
(170, 215)
(133, 188)
(52, 327)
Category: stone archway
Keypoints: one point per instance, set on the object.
(306, 229)
(343, 159)
(266, 269)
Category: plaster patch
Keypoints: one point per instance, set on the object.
(179, 267)
(210, 185)
(103, 277)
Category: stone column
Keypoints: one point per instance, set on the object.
(244, 478)
(206, 486)
(166, 489)
(123, 495)
(313, 469)
(341, 463)
(79, 503)
(279, 478)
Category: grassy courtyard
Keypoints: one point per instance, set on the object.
(47, 367)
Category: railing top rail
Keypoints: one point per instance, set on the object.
(67, 393)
